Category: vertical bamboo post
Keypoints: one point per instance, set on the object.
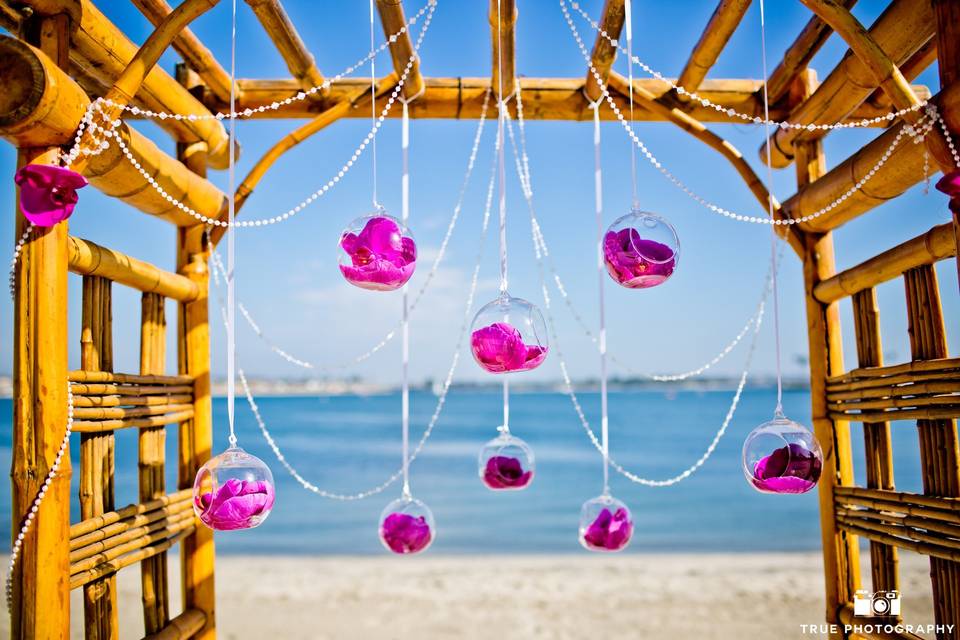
(884, 558)
(196, 435)
(97, 455)
(841, 556)
(41, 581)
(153, 571)
(947, 14)
(939, 449)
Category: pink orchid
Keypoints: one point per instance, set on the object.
(236, 505)
(381, 257)
(48, 193)
(499, 348)
(634, 262)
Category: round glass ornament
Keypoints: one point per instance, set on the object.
(377, 252)
(640, 250)
(407, 526)
(508, 335)
(782, 456)
(606, 524)
(506, 463)
(233, 490)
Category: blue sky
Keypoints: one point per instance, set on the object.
(287, 274)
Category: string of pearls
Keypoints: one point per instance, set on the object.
(35, 506)
(866, 122)
(441, 399)
(917, 132)
(22, 240)
(539, 252)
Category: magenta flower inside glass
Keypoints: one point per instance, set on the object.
(48, 193)
(790, 469)
(378, 254)
(500, 348)
(636, 262)
(506, 472)
(236, 504)
(610, 531)
(405, 533)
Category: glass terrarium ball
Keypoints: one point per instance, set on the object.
(407, 526)
(506, 463)
(508, 334)
(782, 456)
(606, 524)
(377, 252)
(640, 250)
(233, 490)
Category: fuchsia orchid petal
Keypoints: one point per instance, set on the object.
(790, 469)
(48, 193)
(381, 257)
(404, 533)
(499, 348)
(635, 262)
(505, 472)
(609, 531)
(235, 503)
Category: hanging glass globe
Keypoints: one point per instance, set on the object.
(782, 456)
(506, 463)
(640, 250)
(377, 252)
(606, 524)
(406, 526)
(233, 490)
(508, 334)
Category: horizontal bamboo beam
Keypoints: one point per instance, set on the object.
(130, 511)
(197, 56)
(292, 49)
(88, 258)
(895, 402)
(401, 48)
(100, 426)
(896, 517)
(724, 21)
(80, 579)
(129, 524)
(183, 627)
(101, 50)
(935, 384)
(936, 507)
(107, 413)
(604, 52)
(93, 551)
(902, 29)
(503, 35)
(885, 534)
(946, 412)
(130, 401)
(934, 245)
(886, 381)
(127, 378)
(86, 389)
(798, 55)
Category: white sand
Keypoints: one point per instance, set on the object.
(505, 597)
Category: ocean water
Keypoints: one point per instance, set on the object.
(352, 443)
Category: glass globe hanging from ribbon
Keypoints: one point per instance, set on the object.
(407, 526)
(233, 490)
(640, 250)
(377, 252)
(606, 524)
(507, 335)
(782, 456)
(506, 463)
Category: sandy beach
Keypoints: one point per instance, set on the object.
(682, 596)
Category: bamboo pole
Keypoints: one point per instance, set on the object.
(91, 525)
(113, 566)
(96, 426)
(401, 49)
(901, 29)
(103, 406)
(935, 364)
(102, 51)
(163, 522)
(913, 67)
(41, 603)
(183, 627)
(724, 21)
(292, 49)
(87, 544)
(503, 22)
(153, 571)
(900, 500)
(604, 53)
(947, 13)
(127, 378)
(191, 49)
(91, 389)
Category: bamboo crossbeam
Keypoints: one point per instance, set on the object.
(946, 412)
(503, 22)
(105, 413)
(904, 502)
(896, 402)
(93, 553)
(127, 378)
(112, 566)
(101, 50)
(848, 617)
(604, 52)
(127, 524)
(934, 547)
(130, 511)
(401, 48)
(88, 258)
(916, 522)
(290, 45)
(88, 389)
(127, 401)
(798, 55)
(898, 526)
(841, 382)
(183, 627)
(901, 30)
(97, 426)
(941, 383)
(197, 56)
(934, 245)
(724, 21)
(888, 381)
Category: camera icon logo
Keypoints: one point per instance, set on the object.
(878, 603)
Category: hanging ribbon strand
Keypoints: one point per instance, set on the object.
(405, 327)
(601, 277)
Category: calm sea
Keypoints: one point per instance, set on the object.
(351, 443)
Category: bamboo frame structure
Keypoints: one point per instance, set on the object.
(64, 53)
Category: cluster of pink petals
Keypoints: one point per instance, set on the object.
(499, 348)
(950, 185)
(634, 262)
(790, 469)
(48, 193)
(505, 472)
(609, 531)
(403, 533)
(381, 257)
(237, 504)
